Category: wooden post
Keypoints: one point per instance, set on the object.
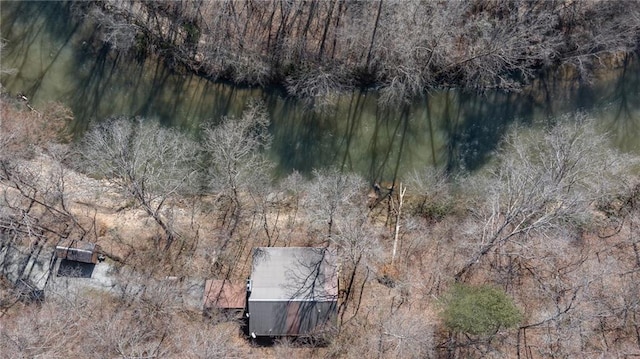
(395, 237)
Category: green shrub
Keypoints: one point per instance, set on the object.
(479, 310)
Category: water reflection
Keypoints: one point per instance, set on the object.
(622, 115)
(56, 59)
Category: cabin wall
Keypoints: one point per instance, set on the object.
(282, 318)
(77, 254)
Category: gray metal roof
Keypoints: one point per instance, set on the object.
(293, 274)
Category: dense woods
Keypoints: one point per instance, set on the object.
(316, 48)
(537, 255)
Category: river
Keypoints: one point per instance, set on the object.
(53, 60)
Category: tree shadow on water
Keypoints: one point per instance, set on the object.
(25, 24)
(476, 130)
(625, 123)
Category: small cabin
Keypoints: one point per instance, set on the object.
(293, 291)
(78, 251)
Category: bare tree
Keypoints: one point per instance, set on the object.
(542, 186)
(386, 331)
(332, 196)
(145, 162)
(46, 331)
(360, 253)
(405, 333)
(209, 341)
(115, 28)
(236, 159)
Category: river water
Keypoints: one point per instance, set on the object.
(52, 59)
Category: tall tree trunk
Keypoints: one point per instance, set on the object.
(326, 29)
(401, 193)
(373, 35)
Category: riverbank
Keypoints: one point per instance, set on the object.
(315, 49)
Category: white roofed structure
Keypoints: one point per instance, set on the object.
(292, 291)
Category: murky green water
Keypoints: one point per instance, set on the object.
(54, 61)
